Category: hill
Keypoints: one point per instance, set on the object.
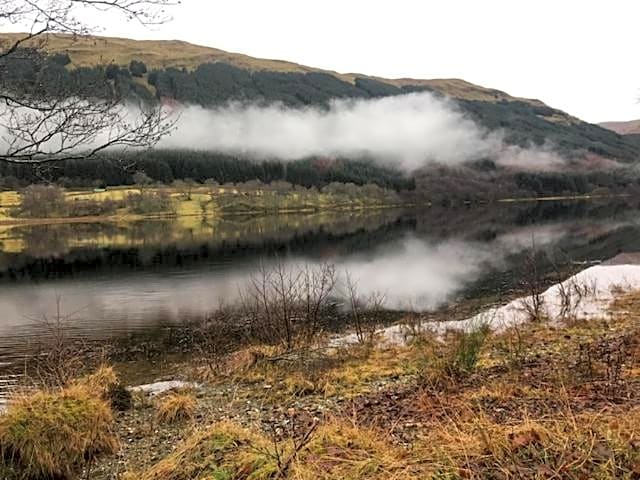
(176, 70)
(92, 51)
(631, 127)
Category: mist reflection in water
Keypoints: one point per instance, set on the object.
(413, 263)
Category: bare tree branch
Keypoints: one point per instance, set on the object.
(42, 121)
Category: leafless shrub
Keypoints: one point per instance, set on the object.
(288, 442)
(185, 187)
(286, 306)
(317, 286)
(150, 202)
(44, 124)
(533, 303)
(43, 201)
(413, 326)
(601, 363)
(216, 336)
(59, 358)
(364, 310)
(85, 208)
(569, 291)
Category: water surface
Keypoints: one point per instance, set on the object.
(109, 280)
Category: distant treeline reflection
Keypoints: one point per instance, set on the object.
(57, 251)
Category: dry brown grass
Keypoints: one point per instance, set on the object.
(52, 434)
(499, 414)
(346, 371)
(339, 450)
(335, 451)
(592, 445)
(176, 406)
(604, 446)
(94, 50)
(101, 382)
(222, 451)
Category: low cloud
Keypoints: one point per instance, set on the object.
(408, 131)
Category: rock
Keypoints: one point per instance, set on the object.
(158, 388)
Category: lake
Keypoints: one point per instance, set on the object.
(109, 280)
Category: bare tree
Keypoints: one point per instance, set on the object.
(533, 304)
(43, 121)
(288, 305)
(365, 310)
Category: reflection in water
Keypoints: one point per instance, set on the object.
(120, 278)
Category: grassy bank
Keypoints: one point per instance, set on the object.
(536, 401)
(126, 203)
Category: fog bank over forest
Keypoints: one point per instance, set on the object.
(407, 131)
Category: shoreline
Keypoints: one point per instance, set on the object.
(222, 212)
(515, 399)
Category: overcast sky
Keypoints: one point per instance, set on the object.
(579, 56)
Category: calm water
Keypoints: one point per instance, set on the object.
(110, 280)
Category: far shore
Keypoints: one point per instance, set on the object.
(243, 207)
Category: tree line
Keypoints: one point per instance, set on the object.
(210, 84)
(166, 166)
(443, 185)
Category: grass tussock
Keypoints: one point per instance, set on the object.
(342, 451)
(222, 451)
(101, 382)
(105, 383)
(445, 361)
(335, 451)
(177, 406)
(600, 446)
(346, 371)
(51, 434)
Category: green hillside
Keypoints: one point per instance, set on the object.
(175, 70)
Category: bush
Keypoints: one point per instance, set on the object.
(137, 68)
(51, 434)
(90, 208)
(176, 407)
(288, 305)
(150, 202)
(42, 201)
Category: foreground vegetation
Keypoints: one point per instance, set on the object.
(272, 396)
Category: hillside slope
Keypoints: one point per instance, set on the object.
(182, 72)
(631, 127)
(92, 51)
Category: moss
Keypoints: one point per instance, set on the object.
(50, 434)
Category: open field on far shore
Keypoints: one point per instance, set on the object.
(201, 201)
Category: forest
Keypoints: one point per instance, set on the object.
(525, 123)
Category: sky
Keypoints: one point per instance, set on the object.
(579, 56)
